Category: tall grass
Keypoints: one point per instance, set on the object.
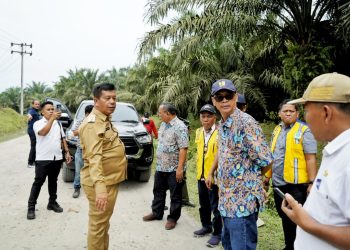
(11, 124)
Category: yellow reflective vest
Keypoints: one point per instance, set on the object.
(295, 170)
(205, 160)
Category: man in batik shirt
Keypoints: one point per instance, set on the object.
(243, 157)
(170, 166)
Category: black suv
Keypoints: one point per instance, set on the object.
(137, 141)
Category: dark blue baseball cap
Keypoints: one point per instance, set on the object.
(241, 99)
(208, 108)
(222, 84)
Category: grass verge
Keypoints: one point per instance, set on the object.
(12, 124)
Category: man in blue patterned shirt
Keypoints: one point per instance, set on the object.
(243, 157)
(170, 166)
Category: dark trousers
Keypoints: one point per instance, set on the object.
(31, 158)
(208, 201)
(298, 191)
(162, 182)
(185, 197)
(51, 169)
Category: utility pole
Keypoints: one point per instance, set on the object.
(22, 53)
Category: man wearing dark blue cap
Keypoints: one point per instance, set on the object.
(242, 159)
(241, 102)
(206, 140)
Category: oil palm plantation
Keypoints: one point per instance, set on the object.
(273, 33)
(36, 90)
(77, 86)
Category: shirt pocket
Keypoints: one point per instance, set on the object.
(110, 136)
(323, 201)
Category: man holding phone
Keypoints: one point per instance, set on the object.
(48, 157)
(324, 220)
(294, 168)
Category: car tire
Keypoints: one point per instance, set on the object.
(67, 173)
(144, 175)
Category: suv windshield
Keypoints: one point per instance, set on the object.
(122, 113)
(125, 113)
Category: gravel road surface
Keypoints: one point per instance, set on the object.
(68, 230)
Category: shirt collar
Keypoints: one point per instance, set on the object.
(229, 121)
(172, 122)
(283, 126)
(211, 129)
(101, 115)
(337, 142)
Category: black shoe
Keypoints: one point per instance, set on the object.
(188, 204)
(31, 214)
(214, 241)
(55, 207)
(202, 232)
(76, 193)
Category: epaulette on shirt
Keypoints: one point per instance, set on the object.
(91, 118)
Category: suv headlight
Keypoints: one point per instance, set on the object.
(144, 139)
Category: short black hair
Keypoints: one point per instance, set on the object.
(169, 108)
(342, 107)
(97, 91)
(146, 114)
(46, 103)
(286, 102)
(88, 109)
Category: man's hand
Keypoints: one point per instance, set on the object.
(179, 175)
(101, 201)
(55, 115)
(266, 183)
(69, 158)
(209, 181)
(296, 212)
(29, 117)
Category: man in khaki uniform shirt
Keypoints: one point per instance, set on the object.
(104, 164)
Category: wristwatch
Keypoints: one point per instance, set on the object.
(311, 182)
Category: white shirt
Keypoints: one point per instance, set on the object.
(208, 135)
(48, 147)
(329, 199)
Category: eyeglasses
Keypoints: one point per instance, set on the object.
(228, 97)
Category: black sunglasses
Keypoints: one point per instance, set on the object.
(228, 97)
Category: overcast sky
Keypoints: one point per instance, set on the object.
(68, 34)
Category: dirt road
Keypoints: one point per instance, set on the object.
(68, 230)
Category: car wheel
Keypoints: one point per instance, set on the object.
(144, 175)
(67, 173)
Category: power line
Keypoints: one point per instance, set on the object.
(9, 35)
(22, 52)
(8, 66)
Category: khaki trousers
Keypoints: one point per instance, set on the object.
(98, 238)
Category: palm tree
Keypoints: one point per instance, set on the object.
(275, 27)
(117, 77)
(77, 86)
(36, 90)
(10, 98)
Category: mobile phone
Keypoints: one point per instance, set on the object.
(58, 107)
(279, 192)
